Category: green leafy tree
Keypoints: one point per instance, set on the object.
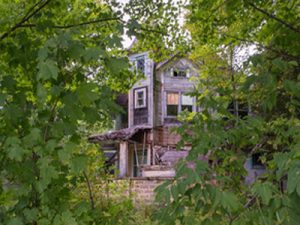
(268, 81)
(61, 65)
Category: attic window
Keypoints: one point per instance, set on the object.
(140, 98)
(179, 72)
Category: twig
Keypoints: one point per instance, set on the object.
(261, 46)
(90, 190)
(28, 15)
(291, 27)
(74, 25)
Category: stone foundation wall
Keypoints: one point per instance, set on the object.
(140, 190)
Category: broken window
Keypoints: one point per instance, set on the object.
(139, 158)
(176, 72)
(140, 98)
(172, 103)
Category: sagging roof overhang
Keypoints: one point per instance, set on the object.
(118, 135)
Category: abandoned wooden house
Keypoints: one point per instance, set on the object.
(143, 144)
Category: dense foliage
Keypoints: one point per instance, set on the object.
(214, 191)
(61, 65)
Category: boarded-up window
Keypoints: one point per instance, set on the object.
(186, 103)
(172, 103)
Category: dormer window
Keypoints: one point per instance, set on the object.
(140, 64)
(140, 98)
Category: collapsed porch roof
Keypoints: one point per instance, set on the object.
(118, 135)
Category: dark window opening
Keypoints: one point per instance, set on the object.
(179, 73)
(256, 161)
(240, 109)
(111, 159)
(140, 65)
(188, 108)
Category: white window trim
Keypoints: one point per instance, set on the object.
(136, 91)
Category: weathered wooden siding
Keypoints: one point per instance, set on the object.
(167, 83)
(165, 137)
(148, 83)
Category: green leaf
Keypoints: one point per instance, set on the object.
(264, 191)
(31, 214)
(65, 153)
(229, 201)
(87, 93)
(93, 53)
(15, 221)
(78, 164)
(67, 218)
(293, 179)
(47, 69)
(116, 65)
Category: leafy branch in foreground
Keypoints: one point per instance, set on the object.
(214, 190)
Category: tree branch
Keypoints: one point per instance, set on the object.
(90, 190)
(31, 12)
(74, 25)
(291, 27)
(280, 52)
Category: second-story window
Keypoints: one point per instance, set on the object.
(140, 98)
(178, 102)
(140, 64)
(172, 103)
(186, 103)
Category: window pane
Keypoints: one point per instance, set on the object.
(140, 64)
(186, 100)
(140, 94)
(172, 99)
(172, 110)
(139, 98)
(140, 102)
(187, 108)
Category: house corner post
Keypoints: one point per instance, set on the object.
(123, 158)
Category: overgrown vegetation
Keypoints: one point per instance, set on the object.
(269, 83)
(61, 65)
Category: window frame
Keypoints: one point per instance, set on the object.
(179, 110)
(142, 57)
(178, 70)
(135, 93)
